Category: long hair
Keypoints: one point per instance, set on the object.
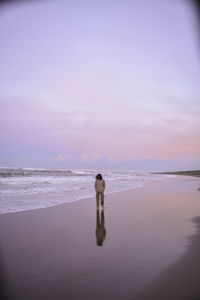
(99, 177)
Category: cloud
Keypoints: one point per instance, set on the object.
(128, 131)
(82, 157)
(96, 92)
(64, 157)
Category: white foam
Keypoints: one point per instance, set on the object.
(44, 188)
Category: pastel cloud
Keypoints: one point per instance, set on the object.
(79, 90)
(83, 157)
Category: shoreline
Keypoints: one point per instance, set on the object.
(52, 253)
(88, 197)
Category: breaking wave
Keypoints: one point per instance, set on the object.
(21, 172)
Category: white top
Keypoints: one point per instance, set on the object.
(100, 185)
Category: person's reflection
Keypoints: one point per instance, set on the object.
(100, 228)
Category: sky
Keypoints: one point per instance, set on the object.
(100, 84)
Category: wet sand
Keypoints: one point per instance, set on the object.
(149, 246)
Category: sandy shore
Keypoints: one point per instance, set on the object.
(150, 247)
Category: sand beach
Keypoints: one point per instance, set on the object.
(150, 246)
(90, 87)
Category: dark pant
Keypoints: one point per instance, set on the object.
(102, 198)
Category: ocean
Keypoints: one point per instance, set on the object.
(31, 188)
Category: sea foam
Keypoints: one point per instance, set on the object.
(30, 188)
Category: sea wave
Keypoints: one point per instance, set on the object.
(23, 172)
(28, 188)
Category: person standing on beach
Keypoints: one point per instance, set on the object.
(100, 188)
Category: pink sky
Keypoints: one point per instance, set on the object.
(113, 84)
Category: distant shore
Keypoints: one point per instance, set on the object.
(195, 173)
